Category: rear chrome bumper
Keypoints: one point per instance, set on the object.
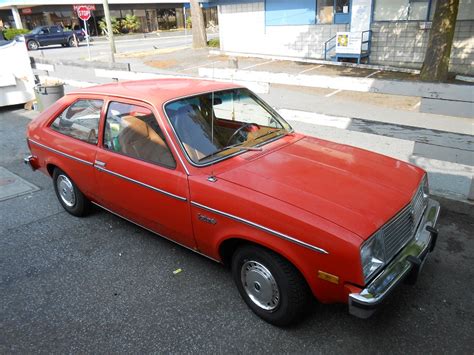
(406, 266)
(31, 161)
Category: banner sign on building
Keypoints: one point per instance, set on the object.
(349, 43)
(89, 7)
(27, 11)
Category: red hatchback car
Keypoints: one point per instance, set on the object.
(215, 169)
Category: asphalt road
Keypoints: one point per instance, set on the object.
(100, 284)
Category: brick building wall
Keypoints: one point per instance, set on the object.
(403, 43)
(242, 29)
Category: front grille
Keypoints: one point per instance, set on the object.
(401, 229)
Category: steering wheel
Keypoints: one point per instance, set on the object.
(239, 130)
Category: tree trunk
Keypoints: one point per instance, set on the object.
(199, 28)
(436, 64)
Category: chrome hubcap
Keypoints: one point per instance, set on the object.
(66, 190)
(260, 285)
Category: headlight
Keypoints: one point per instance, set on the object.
(372, 255)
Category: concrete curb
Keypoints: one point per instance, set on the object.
(316, 61)
(453, 92)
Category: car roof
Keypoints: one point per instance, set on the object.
(157, 91)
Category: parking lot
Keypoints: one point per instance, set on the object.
(101, 284)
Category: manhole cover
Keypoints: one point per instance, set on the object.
(12, 185)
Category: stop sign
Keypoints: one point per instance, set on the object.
(84, 13)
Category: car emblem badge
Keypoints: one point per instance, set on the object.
(206, 219)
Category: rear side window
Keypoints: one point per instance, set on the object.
(133, 131)
(80, 120)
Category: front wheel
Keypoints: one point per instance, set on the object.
(32, 45)
(68, 194)
(271, 286)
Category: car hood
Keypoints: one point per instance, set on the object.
(354, 188)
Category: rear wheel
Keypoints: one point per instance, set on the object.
(70, 197)
(271, 286)
(71, 42)
(32, 45)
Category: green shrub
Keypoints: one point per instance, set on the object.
(214, 43)
(189, 22)
(131, 23)
(10, 33)
(115, 25)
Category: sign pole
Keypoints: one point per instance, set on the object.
(87, 39)
(84, 13)
(109, 30)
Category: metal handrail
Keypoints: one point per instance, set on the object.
(326, 49)
(368, 41)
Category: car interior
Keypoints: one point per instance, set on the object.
(205, 129)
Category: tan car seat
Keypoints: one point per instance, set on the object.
(140, 141)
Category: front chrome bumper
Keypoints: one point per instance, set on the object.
(406, 266)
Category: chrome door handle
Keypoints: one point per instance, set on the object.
(99, 163)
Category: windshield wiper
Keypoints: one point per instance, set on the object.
(235, 146)
(279, 131)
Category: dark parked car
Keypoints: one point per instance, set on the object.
(48, 35)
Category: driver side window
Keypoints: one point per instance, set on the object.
(133, 131)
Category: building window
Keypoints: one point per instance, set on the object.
(466, 10)
(342, 6)
(404, 10)
(418, 10)
(284, 12)
(325, 11)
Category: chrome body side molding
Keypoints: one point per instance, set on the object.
(61, 153)
(101, 168)
(263, 228)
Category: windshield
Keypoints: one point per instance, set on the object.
(216, 125)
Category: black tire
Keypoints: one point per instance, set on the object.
(32, 45)
(293, 291)
(70, 197)
(71, 42)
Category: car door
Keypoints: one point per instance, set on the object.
(137, 175)
(55, 35)
(43, 36)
